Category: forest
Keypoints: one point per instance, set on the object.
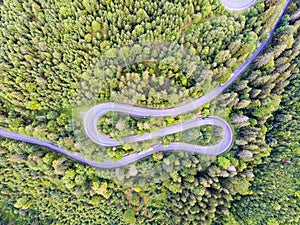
(60, 57)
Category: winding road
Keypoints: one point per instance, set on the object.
(92, 115)
(237, 5)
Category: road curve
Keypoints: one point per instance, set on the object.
(237, 5)
(92, 115)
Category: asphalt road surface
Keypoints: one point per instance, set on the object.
(237, 5)
(91, 117)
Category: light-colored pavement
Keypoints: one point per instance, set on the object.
(91, 117)
(237, 5)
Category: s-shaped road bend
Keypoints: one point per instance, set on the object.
(92, 115)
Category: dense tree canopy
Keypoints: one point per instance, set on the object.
(48, 68)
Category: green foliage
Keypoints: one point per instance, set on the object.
(129, 217)
(223, 162)
(268, 106)
(47, 50)
(275, 191)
